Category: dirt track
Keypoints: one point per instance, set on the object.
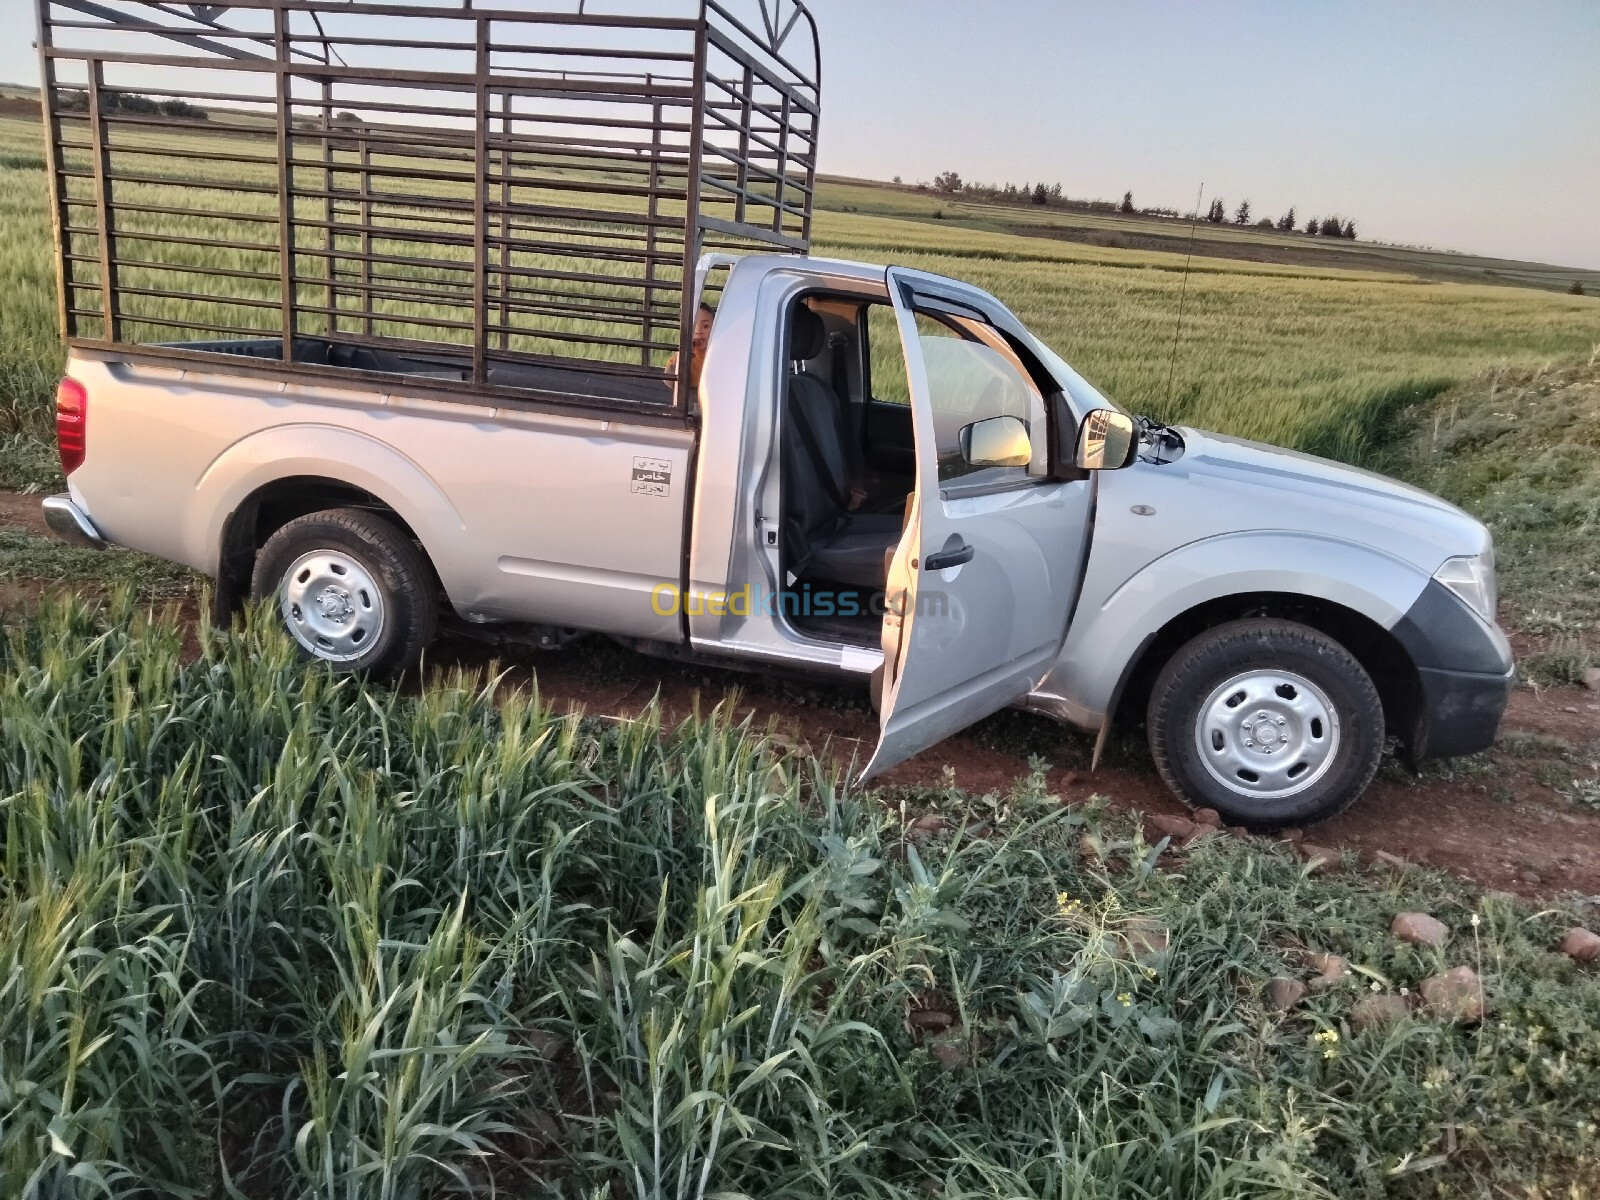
(1496, 819)
(1491, 821)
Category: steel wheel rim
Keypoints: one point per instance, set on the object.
(332, 606)
(1267, 734)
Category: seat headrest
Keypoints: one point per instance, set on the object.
(807, 334)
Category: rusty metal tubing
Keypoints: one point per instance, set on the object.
(460, 168)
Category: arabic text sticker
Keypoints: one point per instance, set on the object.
(652, 476)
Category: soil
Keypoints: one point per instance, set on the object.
(1497, 819)
(1491, 820)
(23, 512)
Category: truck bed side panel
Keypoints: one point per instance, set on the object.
(555, 519)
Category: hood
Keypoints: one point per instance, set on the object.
(1284, 489)
(1223, 486)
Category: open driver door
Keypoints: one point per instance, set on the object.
(989, 564)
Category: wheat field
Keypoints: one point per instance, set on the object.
(1310, 357)
(265, 931)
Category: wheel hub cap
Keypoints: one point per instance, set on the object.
(1267, 734)
(335, 603)
(332, 606)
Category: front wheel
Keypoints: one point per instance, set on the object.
(1269, 722)
(352, 590)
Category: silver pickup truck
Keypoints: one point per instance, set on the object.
(1008, 537)
(862, 471)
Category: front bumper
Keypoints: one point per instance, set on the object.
(71, 524)
(1460, 712)
(1466, 674)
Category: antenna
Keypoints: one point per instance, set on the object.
(1183, 292)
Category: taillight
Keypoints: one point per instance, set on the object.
(72, 422)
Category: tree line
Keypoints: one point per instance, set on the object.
(1217, 214)
(129, 102)
(1047, 195)
(1050, 195)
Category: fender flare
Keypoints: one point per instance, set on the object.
(329, 452)
(1107, 639)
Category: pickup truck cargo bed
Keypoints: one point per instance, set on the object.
(590, 384)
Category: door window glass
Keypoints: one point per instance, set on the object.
(886, 357)
(973, 376)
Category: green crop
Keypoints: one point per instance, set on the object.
(267, 931)
(1314, 358)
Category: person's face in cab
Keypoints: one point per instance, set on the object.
(697, 346)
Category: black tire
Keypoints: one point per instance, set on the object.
(365, 565)
(1279, 728)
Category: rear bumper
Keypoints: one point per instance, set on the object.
(71, 524)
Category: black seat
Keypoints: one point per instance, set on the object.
(824, 538)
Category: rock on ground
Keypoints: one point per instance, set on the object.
(1382, 858)
(1581, 944)
(1378, 1010)
(1456, 995)
(1319, 858)
(1330, 968)
(1144, 938)
(1420, 929)
(1179, 829)
(1285, 994)
(952, 1049)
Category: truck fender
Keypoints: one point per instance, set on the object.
(328, 452)
(1109, 635)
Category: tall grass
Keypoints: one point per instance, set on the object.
(268, 932)
(1519, 449)
(1313, 361)
(1314, 358)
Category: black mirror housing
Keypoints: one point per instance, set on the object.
(1063, 439)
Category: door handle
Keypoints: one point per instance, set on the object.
(949, 558)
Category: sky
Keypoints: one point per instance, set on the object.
(1462, 124)
(1466, 125)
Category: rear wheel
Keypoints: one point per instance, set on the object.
(352, 590)
(1271, 723)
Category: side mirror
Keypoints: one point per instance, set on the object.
(1107, 441)
(996, 442)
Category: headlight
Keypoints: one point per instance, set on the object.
(1472, 578)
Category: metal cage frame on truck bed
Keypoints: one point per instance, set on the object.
(501, 200)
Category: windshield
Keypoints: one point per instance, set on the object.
(1083, 394)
